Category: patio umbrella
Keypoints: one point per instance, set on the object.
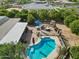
(38, 23)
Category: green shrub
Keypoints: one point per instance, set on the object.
(23, 17)
(24, 11)
(11, 14)
(56, 14)
(3, 12)
(69, 19)
(42, 14)
(68, 11)
(53, 14)
(12, 51)
(30, 19)
(75, 27)
(15, 11)
(74, 52)
(34, 13)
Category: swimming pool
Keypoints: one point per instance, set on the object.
(42, 49)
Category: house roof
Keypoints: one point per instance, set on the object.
(14, 34)
(5, 27)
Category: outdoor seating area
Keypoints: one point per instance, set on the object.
(46, 30)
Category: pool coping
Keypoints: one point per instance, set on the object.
(55, 53)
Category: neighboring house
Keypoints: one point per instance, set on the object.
(11, 30)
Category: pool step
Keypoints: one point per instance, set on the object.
(49, 45)
(43, 54)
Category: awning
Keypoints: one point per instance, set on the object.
(14, 35)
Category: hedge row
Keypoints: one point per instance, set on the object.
(66, 16)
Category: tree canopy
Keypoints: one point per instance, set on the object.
(30, 18)
(75, 27)
(42, 14)
(69, 19)
(11, 51)
(74, 52)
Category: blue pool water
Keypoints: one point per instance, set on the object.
(42, 49)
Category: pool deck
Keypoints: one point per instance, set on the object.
(54, 54)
